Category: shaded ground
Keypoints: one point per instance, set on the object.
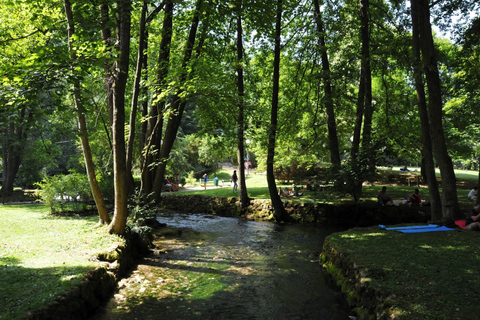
(225, 268)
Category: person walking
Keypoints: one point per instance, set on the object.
(234, 180)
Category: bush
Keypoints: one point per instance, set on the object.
(60, 190)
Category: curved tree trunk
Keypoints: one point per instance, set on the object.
(427, 153)
(82, 126)
(450, 207)
(242, 187)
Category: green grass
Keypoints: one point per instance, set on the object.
(428, 275)
(43, 256)
(257, 187)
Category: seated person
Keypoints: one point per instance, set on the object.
(415, 197)
(382, 197)
(167, 184)
(404, 169)
(285, 192)
(472, 195)
(473, 219)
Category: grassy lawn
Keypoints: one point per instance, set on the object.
(426, 275)
(390, 177)
(43, 256)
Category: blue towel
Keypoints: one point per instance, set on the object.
(381, 226)
(442, 228)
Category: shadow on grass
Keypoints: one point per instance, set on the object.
(26, 289)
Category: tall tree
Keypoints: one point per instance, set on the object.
(82, 125)
(449, 194)
(121, 65)
(327, 87)
(242, 190)
(427, 153)
(153, 134)
(279, 209)
(178, 105)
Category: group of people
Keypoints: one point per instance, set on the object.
(384, 199)
(172, 183)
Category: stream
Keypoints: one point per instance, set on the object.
(227, 268)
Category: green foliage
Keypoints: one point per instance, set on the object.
(60, 190)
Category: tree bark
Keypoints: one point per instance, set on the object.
(450, 207)
(12, 148)
(155, 121)
(242, 187)
(119, 220)
(327, 88)
(427, 154)
(82, 125)
(106, 35)
(135, 96)
(178, 106)
(279, 210)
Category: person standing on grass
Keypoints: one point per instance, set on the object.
(205, 179)
(473, 219)
(234, 180)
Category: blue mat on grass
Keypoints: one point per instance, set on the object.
(381, 226)
(442, 228)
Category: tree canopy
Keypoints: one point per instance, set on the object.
(178, 83)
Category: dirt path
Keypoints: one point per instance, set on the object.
(225, 268)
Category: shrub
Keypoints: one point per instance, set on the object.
(60, 190)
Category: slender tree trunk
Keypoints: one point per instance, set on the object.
(106, 34)
(82, 125)
(450, 207)
(427, 153)
(279, 210)
(135, 96)
(178, 106)
(242, 187)
(119, 221)
(367, 74)
(155, 121)
(329, 104)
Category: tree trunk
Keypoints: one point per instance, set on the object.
(367, 74)
(450, 207)
(279, 210)
(119, 221)
(106, 35)
(135, 96)
(427, 155)
(12, 148)
(242, 187)
(178, 106)
(155, 121)
(327, 88)
(82, 126)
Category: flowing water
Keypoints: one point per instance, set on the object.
(227, 268)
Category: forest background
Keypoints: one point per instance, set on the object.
(113, 90)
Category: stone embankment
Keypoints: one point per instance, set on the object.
(349, 215)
